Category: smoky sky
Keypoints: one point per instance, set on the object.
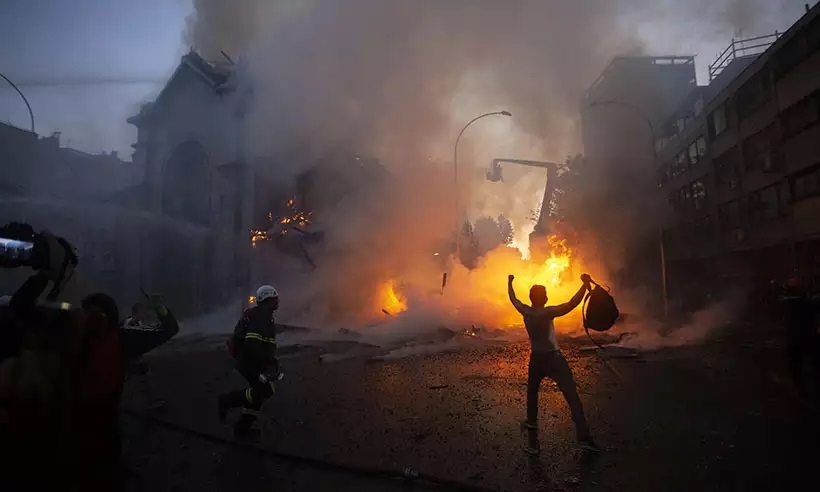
(385, 75)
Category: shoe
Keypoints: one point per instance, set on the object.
(589, 445)
(528, 425)
(222, 408)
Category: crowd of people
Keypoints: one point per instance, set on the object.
(62, 370)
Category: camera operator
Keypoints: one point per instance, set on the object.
(36, 341)
(62, 372)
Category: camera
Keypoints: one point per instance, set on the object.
(21, 246)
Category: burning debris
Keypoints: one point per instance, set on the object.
(390, 300)
(292, 219)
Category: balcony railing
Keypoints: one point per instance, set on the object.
(741, 48)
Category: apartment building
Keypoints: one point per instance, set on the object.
(739, 164)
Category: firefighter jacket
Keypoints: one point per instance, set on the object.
(254, 339)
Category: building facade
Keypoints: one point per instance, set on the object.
(739, 165)
(198, 186)
(619, 114)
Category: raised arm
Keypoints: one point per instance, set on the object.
(136, 343)
(519, 306)
(567, 307)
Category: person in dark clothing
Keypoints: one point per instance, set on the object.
(103, 357)
(803, 341)
(547, 361)
(253, 345)
(150, 325)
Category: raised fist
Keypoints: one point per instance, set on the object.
(510, 278)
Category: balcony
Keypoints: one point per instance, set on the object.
(741, 48)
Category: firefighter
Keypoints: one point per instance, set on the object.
(547, 361)
(253, 346)
(800, 315)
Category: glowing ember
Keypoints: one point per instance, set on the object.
(251, 300)
(389, 300)
(258, 235)
(292, 217)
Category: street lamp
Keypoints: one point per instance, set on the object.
(640, 112)
(455, 174)
(30, 112)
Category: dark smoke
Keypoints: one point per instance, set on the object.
(397, 79)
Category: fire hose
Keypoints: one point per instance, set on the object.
(405, 474)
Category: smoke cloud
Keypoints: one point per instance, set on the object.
(397, 80)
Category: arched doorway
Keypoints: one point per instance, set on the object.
(186, 190)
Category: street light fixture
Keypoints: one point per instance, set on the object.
(455, 174)
(653, 135)
(30, 112)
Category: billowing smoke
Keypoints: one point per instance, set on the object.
(396, 80)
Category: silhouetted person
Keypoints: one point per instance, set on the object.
(547, 361)
(800, 316)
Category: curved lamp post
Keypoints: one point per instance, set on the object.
(640, 112)
(30, 112)
(455, 174)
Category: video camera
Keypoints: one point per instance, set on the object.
(54, 260)
(20, 246)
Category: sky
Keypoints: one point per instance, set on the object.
(128, 48)
(68, 43)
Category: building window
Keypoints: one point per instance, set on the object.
(719, 120)
(753, 95)
(806, 185)
(801, 115)
(680, 164)
(698, 107)
(704, 229)
(697, 150)
(763, 205)
(784, 193)
(758, 151)
(729, 214)
(698, 195)
(727, 169)
(789, 55)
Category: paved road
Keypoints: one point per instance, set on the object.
(713, 417)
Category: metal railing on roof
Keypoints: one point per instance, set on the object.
(614, 64)
(741, 48)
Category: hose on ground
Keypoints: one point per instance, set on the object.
(406, 474)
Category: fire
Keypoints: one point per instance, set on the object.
(258, 235)
(291, 218)
(485, 299)
(389, 300)
(251, 300)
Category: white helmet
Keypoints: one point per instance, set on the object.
(266, 292)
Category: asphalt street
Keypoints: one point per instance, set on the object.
(718, 416)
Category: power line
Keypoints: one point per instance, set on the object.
(90, 81)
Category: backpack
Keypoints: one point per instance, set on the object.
(599, 311)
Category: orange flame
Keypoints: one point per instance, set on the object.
(389, 300)
(485, 299)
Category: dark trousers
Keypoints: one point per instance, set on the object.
(252, 398)
(802, 346)
(553, 365)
